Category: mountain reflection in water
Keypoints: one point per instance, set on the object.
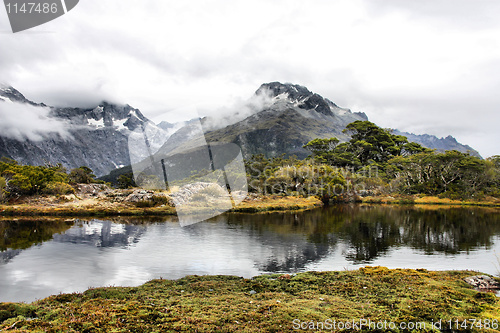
(42, 257)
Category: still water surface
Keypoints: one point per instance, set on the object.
(39, 258)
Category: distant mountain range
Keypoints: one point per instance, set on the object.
(286, 117)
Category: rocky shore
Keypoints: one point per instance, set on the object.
(99, 199)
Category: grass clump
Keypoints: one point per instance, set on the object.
(58, 188)
(267, 303)
(277, 203)
(155, 201)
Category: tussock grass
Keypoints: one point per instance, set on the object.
(277, 203)
(427, 200)
(74, 211)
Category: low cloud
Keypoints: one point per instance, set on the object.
(23, 121)
(238, 111)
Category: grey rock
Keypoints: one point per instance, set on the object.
(89, 190)
(482, 282)
(139, 195)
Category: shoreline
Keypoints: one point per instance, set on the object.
(425, 200)
(98, 207)
(269, 303)
(253, 204)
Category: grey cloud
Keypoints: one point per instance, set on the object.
(462, 14)
(238, 111)
(165, 55)
(23, 121)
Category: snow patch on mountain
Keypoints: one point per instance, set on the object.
(96, 123)
(119, 124)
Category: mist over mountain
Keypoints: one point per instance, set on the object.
(291, 115)
(35, 134)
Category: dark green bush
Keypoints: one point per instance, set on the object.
(12, 310)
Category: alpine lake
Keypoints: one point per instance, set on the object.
(41, 257)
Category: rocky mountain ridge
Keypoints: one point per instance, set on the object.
(287, 117)
(97, 137)
(293, 116)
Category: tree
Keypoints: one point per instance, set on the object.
(370, 142)
(451, 173)
(412, 148)
(494, 170)
(3, 186)
(82, 175)
(126, 180)
(320, 147)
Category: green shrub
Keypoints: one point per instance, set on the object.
(28, 179)
(82, 175)
(126, 181)
(3, 186)
(406, 200)
(12, 310)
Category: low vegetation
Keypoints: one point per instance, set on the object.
(376, 163)
(375, 166)
(267, 303)
(18, 180)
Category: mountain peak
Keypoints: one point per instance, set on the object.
(297, 95)
(275, 89)
(11, 94)
(4, 86)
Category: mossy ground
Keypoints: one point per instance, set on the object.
(267, 303)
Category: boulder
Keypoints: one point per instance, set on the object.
(139, 195)
(89, 190)
(482, 282)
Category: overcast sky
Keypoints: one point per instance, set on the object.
(428, 66)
